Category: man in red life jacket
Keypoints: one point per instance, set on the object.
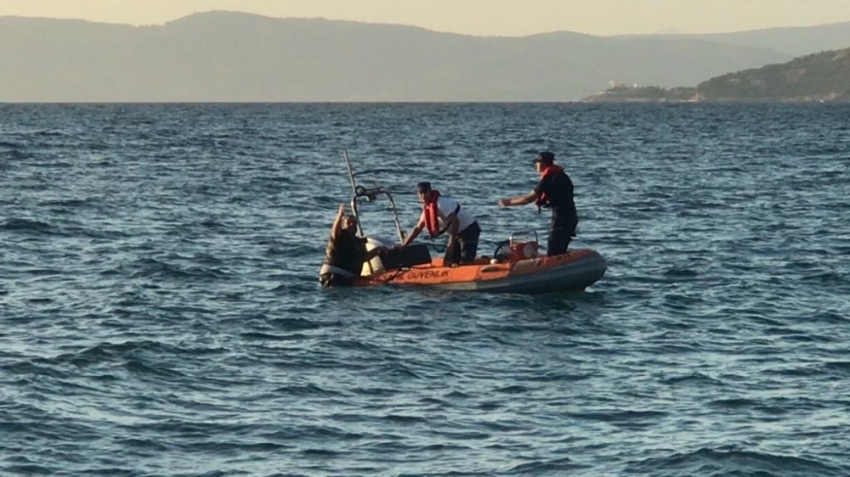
(555, 190)
(444, 215)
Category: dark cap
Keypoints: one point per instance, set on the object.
(545, 157)
(423, 186)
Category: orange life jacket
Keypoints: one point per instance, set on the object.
(551, 170)
(432, 217)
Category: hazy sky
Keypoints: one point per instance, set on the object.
(476, 17)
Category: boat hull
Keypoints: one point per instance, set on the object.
(573, 271)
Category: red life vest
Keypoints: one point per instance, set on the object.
(432, 216)
(551, 170)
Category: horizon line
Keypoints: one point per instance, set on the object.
(405, 25)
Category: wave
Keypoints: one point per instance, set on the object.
(152, 268)
(724, 462)
(73, 203)
(27, 225)
(546, 467)
(130, 350)
(36, 227)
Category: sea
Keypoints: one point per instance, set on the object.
(161, 315)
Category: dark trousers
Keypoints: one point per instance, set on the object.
(465, 246)
(561, 233)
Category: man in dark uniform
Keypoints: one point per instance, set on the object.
(346, 252)
(554, 190)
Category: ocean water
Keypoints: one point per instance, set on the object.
(160, 313)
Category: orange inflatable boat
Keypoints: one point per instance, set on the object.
(515, 267)
(572, 271)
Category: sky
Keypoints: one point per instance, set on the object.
(475, 17)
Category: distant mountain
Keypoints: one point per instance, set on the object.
(793, 41)
(821, 77)
(224, 56)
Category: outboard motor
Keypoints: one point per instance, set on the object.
(523, 250)
(514, 250)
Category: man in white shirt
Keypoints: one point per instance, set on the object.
(444, 215)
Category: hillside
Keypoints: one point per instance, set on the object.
(821, 77)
